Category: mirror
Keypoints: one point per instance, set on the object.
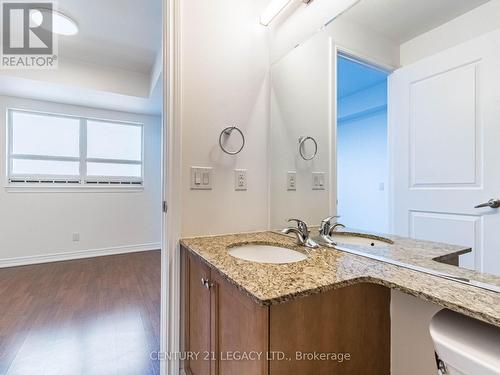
(395, 94)
(300, 134)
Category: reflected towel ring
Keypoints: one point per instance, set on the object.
(227, 132)
(302, 141)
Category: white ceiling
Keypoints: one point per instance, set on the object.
(402, 20)
(124, 34)
(114, 62)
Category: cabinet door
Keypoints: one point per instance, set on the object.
(240, 331)
(353, 321)
(197, 314)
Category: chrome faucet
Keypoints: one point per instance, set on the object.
(327, 228)
(302, 234)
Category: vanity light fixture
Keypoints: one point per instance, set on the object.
(61, 23)
(274, 8)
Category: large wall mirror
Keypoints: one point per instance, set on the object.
(398, 96)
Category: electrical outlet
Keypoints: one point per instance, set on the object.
(76, 237)
(201, 178)
(240, 179)
(318, 181)
(291, 181)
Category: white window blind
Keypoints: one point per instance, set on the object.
(59, 149)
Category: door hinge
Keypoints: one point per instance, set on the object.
(165, 207)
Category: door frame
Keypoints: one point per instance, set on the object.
(171, 156)
(340, 50)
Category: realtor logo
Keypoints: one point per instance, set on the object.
(27, 37)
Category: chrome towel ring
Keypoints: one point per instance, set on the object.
(302, 141)
(226, 133)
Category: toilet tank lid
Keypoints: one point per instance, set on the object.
(467, 344)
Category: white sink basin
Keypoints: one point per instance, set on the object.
(266, 254)
(358, 240)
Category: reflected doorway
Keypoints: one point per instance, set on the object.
(362, 157)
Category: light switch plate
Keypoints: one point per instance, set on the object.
(240, 179)
(291, 181)
(201, 178)
(318, 181)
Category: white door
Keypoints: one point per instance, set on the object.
(444, 126)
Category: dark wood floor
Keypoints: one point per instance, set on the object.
(91, 316)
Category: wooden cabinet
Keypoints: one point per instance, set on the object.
(197, 315)
(353, 321)
(224, 330)
(227, 333)
(239, 331)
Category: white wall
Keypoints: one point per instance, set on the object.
(301, 22)
(82, 83)
(301, 105)
(35, 225)
(412, 351)
(468, 26)
(306, 22)
(85, 75)
(225, 64)
(75, 95)
(362, 160)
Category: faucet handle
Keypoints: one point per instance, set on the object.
(326, 225)
(301, 225)
(330, 218)
(338, 225)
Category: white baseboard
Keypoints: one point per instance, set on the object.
(70, 255)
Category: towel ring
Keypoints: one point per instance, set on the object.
(302, 141)
(227, 132)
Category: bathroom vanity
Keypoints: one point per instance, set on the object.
(383, 115)
(329, 313)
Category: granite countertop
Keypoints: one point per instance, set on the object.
(327, 268)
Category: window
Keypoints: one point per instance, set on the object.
(54, 149)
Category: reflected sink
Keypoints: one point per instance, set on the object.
(360, 240)
(266, 254)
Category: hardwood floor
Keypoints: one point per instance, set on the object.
(90, 316)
